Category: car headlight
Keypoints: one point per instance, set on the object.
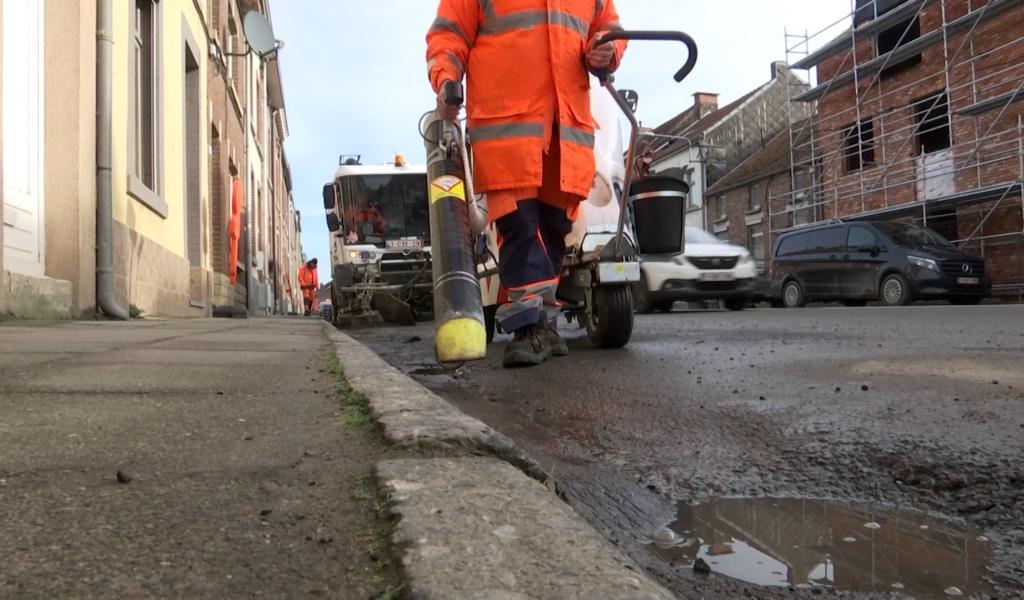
(746, 259)
(924, 263)
(679, 259)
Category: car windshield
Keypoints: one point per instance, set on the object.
(385, 207)
(914, 235)
(696, 235)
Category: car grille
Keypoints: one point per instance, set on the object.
(713, 262)
(956, 267)
(716, 286)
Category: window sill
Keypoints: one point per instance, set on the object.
(149, 198)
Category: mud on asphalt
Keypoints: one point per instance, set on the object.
(920, 408)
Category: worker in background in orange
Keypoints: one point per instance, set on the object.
(528, 91)
(309, 282)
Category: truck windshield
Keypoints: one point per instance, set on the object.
(379, 208)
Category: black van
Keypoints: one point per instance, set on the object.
(859, 261)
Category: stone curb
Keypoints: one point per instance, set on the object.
(478, 528)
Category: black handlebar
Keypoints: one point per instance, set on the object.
(451, 92)
(660, 36)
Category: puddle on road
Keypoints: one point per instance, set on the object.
(803, 543)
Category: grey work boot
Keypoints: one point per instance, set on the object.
(529, 348)
(558, 345)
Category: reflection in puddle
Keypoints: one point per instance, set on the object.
(784, 542)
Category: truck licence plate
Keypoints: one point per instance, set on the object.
(967, 280)
(717, 277)
(404, 244)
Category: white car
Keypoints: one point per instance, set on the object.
(708, 269)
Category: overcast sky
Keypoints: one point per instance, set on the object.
(355, 75)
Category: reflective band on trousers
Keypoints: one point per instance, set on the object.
(503, 131)
(443, 24)
(576, 136)
(533, 18)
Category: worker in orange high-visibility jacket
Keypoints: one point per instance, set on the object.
(526, 66)
(309, 282)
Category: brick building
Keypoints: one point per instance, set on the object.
(919, 118)
(705, 142)
(742, 203)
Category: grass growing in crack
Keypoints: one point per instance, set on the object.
(362, 492)
(355, 407)
(391, 593)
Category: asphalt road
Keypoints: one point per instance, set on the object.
(920, 408)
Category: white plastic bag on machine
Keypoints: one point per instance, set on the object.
(600, 212)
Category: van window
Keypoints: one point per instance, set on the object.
(794, 244)
(860, 236)
(824, 240)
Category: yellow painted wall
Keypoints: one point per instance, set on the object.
(169, 232)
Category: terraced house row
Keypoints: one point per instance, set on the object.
(144, 170)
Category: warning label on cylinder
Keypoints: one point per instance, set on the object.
(447, 187)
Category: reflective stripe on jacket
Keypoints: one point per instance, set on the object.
(525, 65)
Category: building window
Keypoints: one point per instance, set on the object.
(931, 115)
(754, 194)
(898, 35)
(721, 207)
(868, 10)
(755, 242)
(145, 134)
(859, 146)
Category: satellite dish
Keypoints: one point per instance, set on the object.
(258, 34)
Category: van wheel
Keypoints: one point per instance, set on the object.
(793, 295)
(641, 297)
(895, 291)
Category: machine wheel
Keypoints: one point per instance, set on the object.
(490, 321)
(793, 295)
(854, 303)
(610, 322)
(736, 304)
(641, 297)
(895, 291)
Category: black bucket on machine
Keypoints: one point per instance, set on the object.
(659, 210)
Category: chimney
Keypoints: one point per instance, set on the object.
(779, 67)
(705, 103)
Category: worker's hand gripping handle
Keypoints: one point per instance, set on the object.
(451, 93)
(657, 36)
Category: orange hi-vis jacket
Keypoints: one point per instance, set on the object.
(309, 282)
(525, 66)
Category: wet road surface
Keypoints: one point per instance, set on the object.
(918, 408)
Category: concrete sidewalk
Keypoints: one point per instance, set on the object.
(219, 458)
(244, 479)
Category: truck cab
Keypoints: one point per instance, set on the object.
(380, 234)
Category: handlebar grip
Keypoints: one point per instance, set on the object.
(451, 92)
(660, 36)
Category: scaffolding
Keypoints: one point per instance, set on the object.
(919, 117)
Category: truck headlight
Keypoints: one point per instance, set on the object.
(924, 263)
